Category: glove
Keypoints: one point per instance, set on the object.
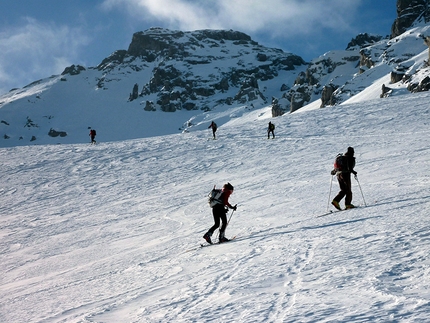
(234, 207)
(333, 172)
(354, 172)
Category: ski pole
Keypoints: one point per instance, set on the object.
(230, 217)
(355, 176)
(329, 193)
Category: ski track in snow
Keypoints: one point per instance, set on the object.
(110, 233)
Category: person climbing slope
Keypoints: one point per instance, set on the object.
(214, 128)
(92, 136)
(271, 129)
(219, 212)
(343, 172)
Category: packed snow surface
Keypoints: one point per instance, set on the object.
(112, 232)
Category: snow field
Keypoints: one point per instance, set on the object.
(111, 232)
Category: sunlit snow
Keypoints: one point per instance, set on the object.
(112, 232)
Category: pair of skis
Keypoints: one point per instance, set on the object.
(207, 245)
(202, 245)
(336, 210)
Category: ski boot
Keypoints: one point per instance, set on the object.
(222, 238)
(336, 205)
(207, 237)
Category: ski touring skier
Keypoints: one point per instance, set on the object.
(214, 128)
(343, 174)
(219, 212)
(92, 136)
(271, 129)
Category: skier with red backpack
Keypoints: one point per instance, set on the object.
(343, 167)
(92, 136)
(220, 206)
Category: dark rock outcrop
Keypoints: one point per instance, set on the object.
(279, 107)
(327, 97)
(55, 133)
(408, 12)
(422, 86)
(363, 40)
(180, 62)
(112, 60)
(73, 70)
(135, 93)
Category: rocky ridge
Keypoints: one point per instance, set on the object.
(188, 68)
(337, 76)
(215, 70)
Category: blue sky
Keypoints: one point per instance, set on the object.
(40, 38)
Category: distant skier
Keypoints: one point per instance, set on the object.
(214, 128)
(219, 212)
(92, 136)
(271, 129)
(343, 174)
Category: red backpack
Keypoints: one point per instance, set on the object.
(340, 163)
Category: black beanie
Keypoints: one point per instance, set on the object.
(229, 186)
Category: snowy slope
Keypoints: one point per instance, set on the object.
(111, 232)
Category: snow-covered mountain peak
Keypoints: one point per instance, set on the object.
(192, 73)
(207, 75)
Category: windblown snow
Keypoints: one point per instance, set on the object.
(112, 232)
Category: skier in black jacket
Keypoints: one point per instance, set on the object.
(344, 179)
(219, 212)
(271, 129)
(214, 128)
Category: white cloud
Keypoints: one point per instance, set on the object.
(36, 50)
(177, 14)
(281, 18)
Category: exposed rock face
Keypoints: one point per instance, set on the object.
(385, 91)
(323, 76)
(73, 70)
(427, 42)
(135, 93)
(55, 133)
(115, 58)
(144, 45)
(249, 91)
(424, 85)
(327, 95)
(149, 106)
(191, 67)
(279, 107)
(409, 11)
(366, 60)
(363, 40)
